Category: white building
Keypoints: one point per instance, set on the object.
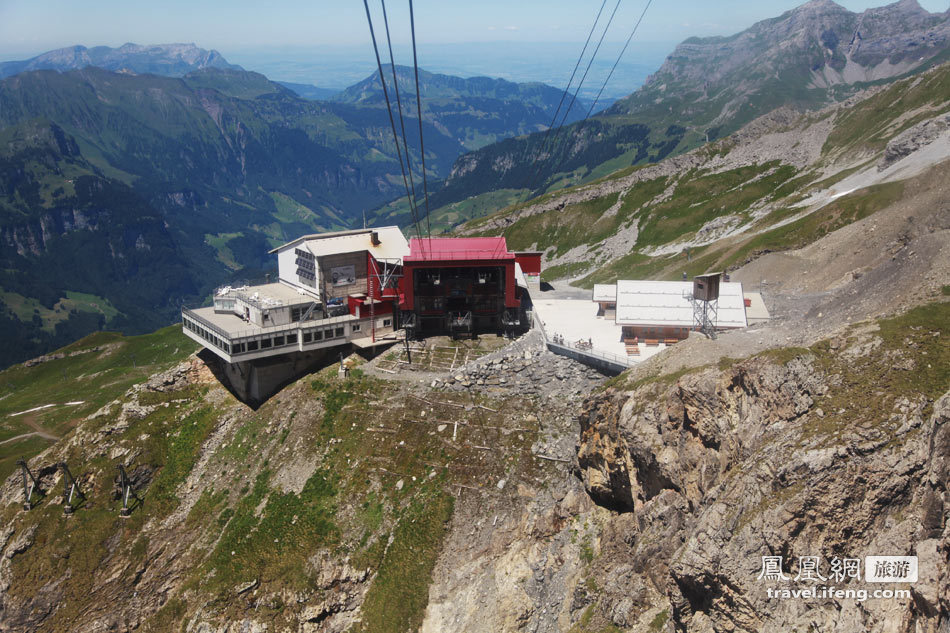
(664, 310)
(329, 292)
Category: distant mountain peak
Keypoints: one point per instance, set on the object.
(820, 4)
(172, 60)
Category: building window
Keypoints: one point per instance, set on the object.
(318, 335)
(387, 322)
(265, 343)
(356, 327)
(291, 339)
(339, 332)
(278, 341)
(252, 346)
(307, 337)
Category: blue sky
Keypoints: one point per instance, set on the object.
(28, 27)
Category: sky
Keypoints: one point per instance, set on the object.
(28, 27)
(327, 43)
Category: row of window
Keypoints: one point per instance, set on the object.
(281, 340)
(208, 336)
(224, 305)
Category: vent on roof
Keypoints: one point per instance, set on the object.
(374, 238)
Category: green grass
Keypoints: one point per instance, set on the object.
(843, 211)
(396, 602)
(562, 229)
(28, 309)
(71, 551)
(177, 454)
(700, 199)
(252, 528)
(219, 242)
(93, 377)
(564, 271)
(869, 124)
(657, 623)
(630, 266)
(291, 212)
(448, 217)
(839, 213)
(24, 448)
(264, 547)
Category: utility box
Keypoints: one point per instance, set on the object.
(706, 287)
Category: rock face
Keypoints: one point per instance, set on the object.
(820, 44)
(910, 140)
(723, 468)
(806, 58)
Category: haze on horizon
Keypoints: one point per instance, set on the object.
(328, 44)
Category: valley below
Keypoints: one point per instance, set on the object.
(743, 482)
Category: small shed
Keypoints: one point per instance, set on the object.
(605, 296)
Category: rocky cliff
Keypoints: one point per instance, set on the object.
(445, 505)
(834, 452)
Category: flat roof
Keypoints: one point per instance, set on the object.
(605, 292)
(392, 243)
(458, 248)
(667, 303)
(274, 294)
(756, 310)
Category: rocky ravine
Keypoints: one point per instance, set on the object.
(727, 467)
(692, 478)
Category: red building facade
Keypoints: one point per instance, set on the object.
(461, 286)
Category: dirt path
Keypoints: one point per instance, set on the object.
(45, 436)
(38, 429)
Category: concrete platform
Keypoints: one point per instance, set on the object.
(576, 319)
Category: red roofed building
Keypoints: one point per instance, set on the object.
(461, 286)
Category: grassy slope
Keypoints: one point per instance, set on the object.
(920, 335)
(699, 197)
(84, 374)
(382, 504)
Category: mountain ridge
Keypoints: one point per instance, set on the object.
(235, 164)
(171, 60)
(710, 87)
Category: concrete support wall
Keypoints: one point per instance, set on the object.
(257, 380)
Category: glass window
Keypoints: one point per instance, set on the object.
(278, 341)
(265, 343)
(291, 339)
(339, 332)
(356, 327)
(252, 346)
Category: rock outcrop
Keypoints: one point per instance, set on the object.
(722, 468)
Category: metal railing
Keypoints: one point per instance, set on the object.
(265, 331)
(615, 359)
(425, 255)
